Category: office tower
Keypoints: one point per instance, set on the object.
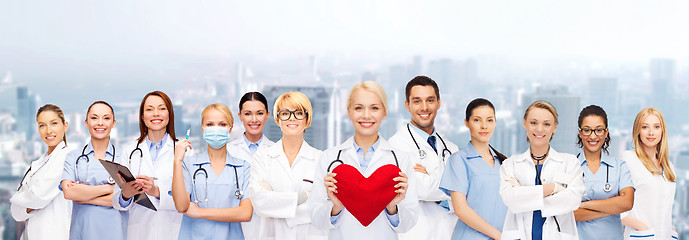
(8, 95)
(415, 68)
(442, 72)
(567, 106)
(505, 130)
(662, 72)
(180, 126)
(317, 135)
(602, 91)
(26, 112)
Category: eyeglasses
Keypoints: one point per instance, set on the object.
(285, 115)
(597, 131)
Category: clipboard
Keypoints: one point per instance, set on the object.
(114, 168)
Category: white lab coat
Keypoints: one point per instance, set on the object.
(274, 187)
(52, 217)
(347, 226)
(238, 149)
(143, 222)
(522, 200)
(653, 199)
(435, 222)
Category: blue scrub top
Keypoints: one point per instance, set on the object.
(466, 172)
(92, 221)
(609, 227)
(221, 194)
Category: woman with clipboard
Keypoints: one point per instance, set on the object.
(149, 158)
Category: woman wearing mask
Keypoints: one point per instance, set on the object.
(472, 178)
(253, 112)
(86, 182)
(541, 187)
(37, 201)
(609, 190)
(654, 179)
(282, 175)
(366, 151)
(211, 188)
(150, 159)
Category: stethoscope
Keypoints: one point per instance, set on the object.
(341, 162)
(239, 193)
(141, 155)
(422, 153)
(83, 154)
(21, 182)
(607, 187)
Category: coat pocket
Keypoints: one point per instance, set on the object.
(645, 235)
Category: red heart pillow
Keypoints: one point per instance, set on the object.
(364, 197)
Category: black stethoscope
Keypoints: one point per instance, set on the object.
(422, 153)
(607, 187)
(141, 155)
(21, 182)
(341, 162)
(83, 154)
(239, 193)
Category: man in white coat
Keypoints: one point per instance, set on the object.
(430, 151)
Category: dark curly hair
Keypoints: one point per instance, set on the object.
(594, 110)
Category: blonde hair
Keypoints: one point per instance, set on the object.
(295, 100)
(220, 107)
(542, 105)
(662, 151)
(373, 87)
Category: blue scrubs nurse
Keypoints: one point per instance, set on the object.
(609, 187)
(85, 181)
(472, 178)
(211, 188)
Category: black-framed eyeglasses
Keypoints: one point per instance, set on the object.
(598, 131)
(285, 115)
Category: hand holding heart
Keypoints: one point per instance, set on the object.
(331, 188)
(401, 191)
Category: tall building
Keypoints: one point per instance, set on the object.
(8, 96)
(180, 126)
(442, 71)
(662, 72)
(602, 91)
(317, 135)
(415, 68)
(26, 110)
(567, 106)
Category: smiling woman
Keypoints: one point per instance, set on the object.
(253, 112)
(86, 182)
(367, 152)
(540, 187)
(609, 189)
(37, 201)
(654, 179)
(150, 158)
(282, 174)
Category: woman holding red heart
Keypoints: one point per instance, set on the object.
(386, 204)
(282, 174)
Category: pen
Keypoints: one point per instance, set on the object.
(188, 131)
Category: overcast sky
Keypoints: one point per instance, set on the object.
(116, 30)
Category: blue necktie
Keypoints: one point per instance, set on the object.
(431, 141)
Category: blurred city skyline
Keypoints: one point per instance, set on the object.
(622, 55)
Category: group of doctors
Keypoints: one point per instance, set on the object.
(253, 188)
